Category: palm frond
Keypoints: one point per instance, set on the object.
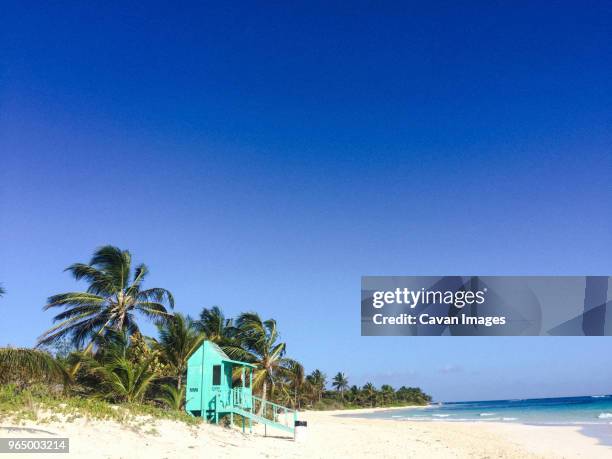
(123, 378)
(139, 274)
(172, 397)
(99, 282)
(78, 311)
(73, 299)
(213, 323)
(157, 295)
(30, 364)
(155, 312)
(178, 340)
(277, 351)
(63, 329)
(115, 263)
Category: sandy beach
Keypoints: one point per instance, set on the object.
(327, 436)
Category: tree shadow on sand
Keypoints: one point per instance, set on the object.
(26, 430)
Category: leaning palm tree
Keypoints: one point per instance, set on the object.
(256, 342)
(112, 301)
(178, 339)
(24, 365)
(340, 383)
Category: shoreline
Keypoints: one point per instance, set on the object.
(368, 410)
(600, 431)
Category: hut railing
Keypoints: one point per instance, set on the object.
(237, 396)
(273, 412)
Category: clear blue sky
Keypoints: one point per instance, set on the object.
(264, 158)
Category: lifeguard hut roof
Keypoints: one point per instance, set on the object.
(225, 357)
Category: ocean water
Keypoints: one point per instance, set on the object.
(587, 410)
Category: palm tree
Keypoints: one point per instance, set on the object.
(178, 339)
(213, 322)
(370, 393)
(121, 377)
(387, 393)
(295, 376)
(256, 342)
(282, 394)
(112, 300)
(317, 380)
(340, 382)
(353, 393)
(126, 379)
(25, 365)
(172, 397)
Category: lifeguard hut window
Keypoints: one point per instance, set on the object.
(216, 375)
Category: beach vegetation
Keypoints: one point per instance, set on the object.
(22, 366)
(340, 383)
(96, 362)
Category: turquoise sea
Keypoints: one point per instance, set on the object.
(593, 413)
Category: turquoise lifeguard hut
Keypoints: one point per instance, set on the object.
(219, 386)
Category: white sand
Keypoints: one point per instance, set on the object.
(328, 436)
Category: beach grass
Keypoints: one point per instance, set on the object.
(37, 403)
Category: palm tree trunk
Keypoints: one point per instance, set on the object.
(263, 397)
(179, 381)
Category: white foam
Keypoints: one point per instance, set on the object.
(605, 415)
(487, 414)
(509, 419)
(397, 416)
(441, 415)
